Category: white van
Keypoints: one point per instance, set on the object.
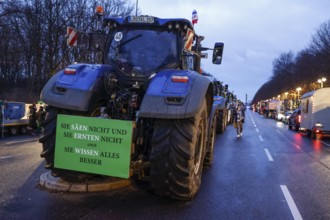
(315, 112)
(280, 114)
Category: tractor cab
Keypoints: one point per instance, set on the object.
(140, 52)
(140, 46)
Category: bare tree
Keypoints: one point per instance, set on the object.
(303, 70)
(320, 46)
(283, 71)
(33, 38)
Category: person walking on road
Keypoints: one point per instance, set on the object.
(40, 116)
(239, 119)
(33, 116)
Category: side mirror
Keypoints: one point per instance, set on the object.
(217, 53)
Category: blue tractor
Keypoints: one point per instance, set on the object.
(220, 103)
(149, 76)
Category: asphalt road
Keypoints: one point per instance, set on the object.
(269, 173)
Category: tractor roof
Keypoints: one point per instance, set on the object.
(149, 20)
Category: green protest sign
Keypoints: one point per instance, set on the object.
(93, 145)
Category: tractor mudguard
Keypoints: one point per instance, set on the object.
(175, 94)
(220, 101)
(75, 87)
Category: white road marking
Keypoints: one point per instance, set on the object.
(293, 208)
(297, 146)
(260, 137)
(21, 141)
(5, 157)
(325, 143)
(257, 130)
(270, 158)
(255, 125)
(278, 132)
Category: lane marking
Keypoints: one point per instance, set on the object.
(293, 208)
(278, 131)
(270, 158)
(325, 143)
(255, 125)
(257, 130)
(21, 141)
(260, 137)
(5, 157)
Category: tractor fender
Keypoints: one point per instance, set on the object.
(220, 101)
(75, 90)
(176, 94)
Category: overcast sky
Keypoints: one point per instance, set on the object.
(254, 32)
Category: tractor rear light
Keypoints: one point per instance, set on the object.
(70, 71)
(299, 118)
(181, 79)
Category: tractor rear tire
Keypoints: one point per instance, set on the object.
(208, 160)
(178, 150)
(221, 122)
(48, 145)
(23, 129)
(48, 137)
(13, 130)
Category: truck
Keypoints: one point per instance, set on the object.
(261, 107)
(315, 112)
(273, 106)
(149, 92)
(13, 118)
(268, 107)
(280, 111)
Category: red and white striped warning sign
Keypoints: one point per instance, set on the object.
(72, 36)
(189, 39)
